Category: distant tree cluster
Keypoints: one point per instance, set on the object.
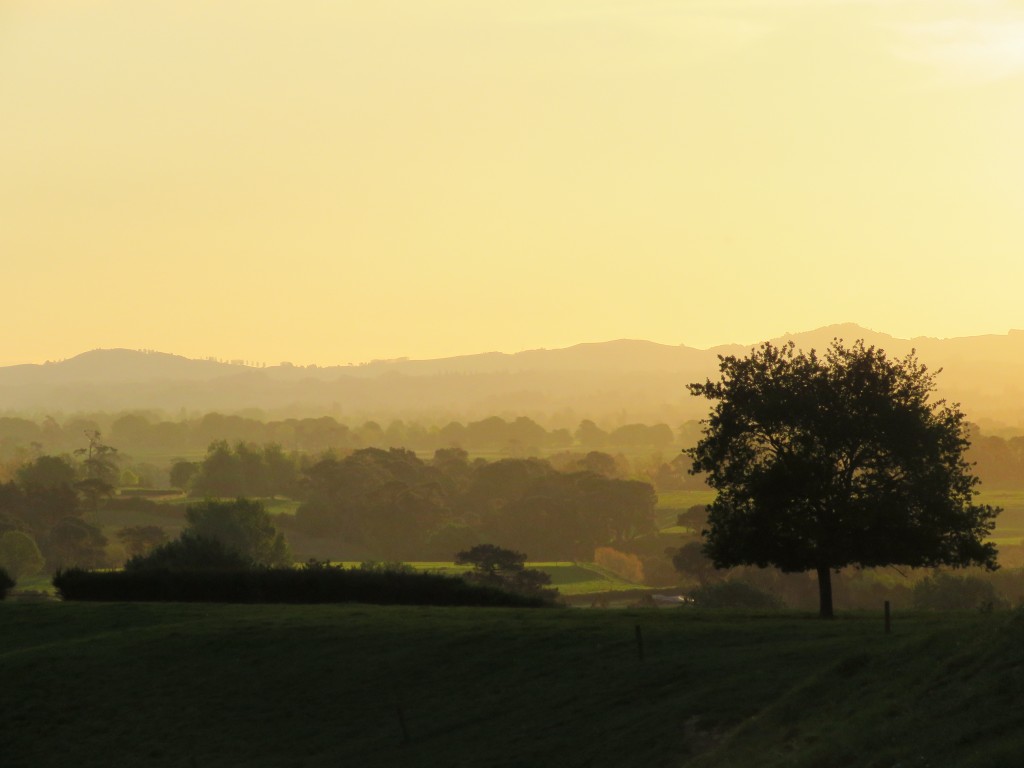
(243, 469)
(42, 509)
(998, 462)
(392, 505)
(221, 535)
(147, 433)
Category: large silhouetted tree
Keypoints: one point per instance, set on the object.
(844, 459)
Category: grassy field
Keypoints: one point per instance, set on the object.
(671, 503)
(214, 685)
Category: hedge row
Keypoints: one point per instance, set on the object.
(282, 585)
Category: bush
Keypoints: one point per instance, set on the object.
(946, 592)
(734, 594)
(190, 552)
(6, 582)
(283, 585)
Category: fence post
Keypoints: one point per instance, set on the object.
(401, 722)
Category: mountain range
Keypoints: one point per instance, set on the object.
(611, 382)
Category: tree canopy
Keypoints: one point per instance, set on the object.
(821, 462)
(505, 569)
(243, 526)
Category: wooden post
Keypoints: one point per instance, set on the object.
(888, 623)
(401, 722)
(639, 643)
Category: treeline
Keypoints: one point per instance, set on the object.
(999, 461)
(392, 505)
(368, 504)
(42, 511)
(147, 434)
(250, 470)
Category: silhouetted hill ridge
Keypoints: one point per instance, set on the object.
(626, 377)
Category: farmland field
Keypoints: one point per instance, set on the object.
(100, 685)
(671, 503)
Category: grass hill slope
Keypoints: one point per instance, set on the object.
(213, 685)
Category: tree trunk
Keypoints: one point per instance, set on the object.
(825, 592)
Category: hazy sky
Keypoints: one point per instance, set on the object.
(337, 181)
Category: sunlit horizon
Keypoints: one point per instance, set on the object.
(325, 362)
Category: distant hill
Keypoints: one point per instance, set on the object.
(623, 380)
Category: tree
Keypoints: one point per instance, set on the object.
(99, 461)
(690, 560)
(182, 473)
(825, 462)
(589, 435)
(46, 472)
(99, 470)
(504, 568)
(242, 526)
(140, 539)
(19, 555)
(220, 474)
(74, 542)
(190, 552)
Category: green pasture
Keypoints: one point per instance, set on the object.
(683, 500)
(671, 503)
(162, 685)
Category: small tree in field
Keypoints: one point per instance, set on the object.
(504, 568)
(825, 462)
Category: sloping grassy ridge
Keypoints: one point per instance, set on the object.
(272, 685)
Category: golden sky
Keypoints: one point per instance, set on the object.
(327, 182)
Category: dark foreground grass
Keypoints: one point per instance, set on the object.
(272, 685)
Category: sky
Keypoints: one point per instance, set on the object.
(331, 182)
